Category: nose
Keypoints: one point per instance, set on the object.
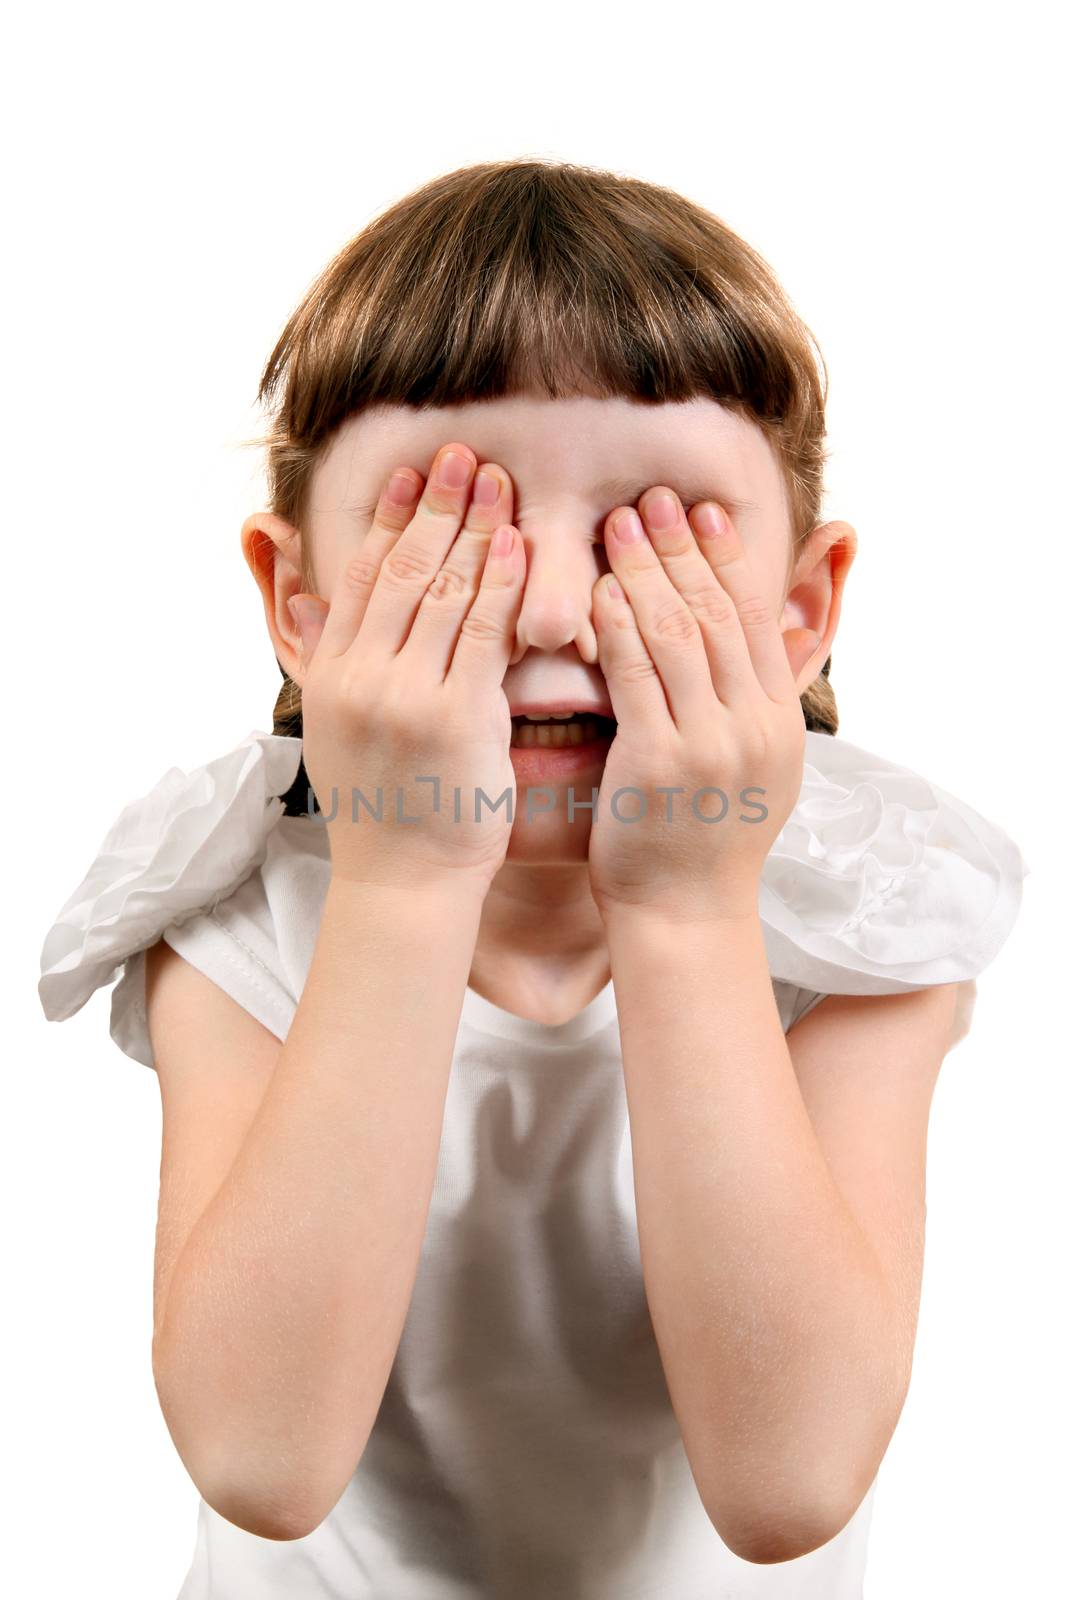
(557, 602)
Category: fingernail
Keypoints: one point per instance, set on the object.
(628, 528)
(402, 489)
(661, 509)
(486, 489)
(454, 469)
(710, 520)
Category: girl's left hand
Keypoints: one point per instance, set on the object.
(705, 700)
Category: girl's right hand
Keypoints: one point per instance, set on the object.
(404, 683)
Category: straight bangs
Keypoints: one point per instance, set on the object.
(520, 277)
(547, 279)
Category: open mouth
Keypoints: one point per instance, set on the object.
(558, 733)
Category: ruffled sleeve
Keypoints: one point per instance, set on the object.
(187, 844)
(881, 882)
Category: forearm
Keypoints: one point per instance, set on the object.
(286, 1307)
(770, 1310)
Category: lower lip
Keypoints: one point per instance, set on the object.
(546, 764)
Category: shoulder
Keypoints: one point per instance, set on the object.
(881, 882)
(172, 855)
(918, 1028)
(943, 1011)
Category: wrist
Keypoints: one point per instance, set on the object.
(462, 892)
(654, 954)
(683, 912)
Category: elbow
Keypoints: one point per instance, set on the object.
(270, 1509)
(774, 1542)
(280, 1518)
(783, 1533)
(803, 1512)
(233, 1483)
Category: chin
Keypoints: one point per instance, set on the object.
(547, 837)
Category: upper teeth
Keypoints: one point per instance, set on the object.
(552, 716)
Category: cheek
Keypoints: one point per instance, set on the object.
(335, 534)
(771, 564)
(549, 837)
(329, 553)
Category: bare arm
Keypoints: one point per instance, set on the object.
(280, 1319)
(780, 1203)
(284, 1309)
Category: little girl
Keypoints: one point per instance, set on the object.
(547, 1012)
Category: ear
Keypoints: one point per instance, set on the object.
(272, 549)
(812, 605)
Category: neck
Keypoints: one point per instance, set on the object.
(541, 943)
(542, 910)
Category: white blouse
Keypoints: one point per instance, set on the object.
(526, 1446)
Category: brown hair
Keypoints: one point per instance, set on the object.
(512, 276)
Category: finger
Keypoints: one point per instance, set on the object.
(670, 632)
(435, 630)
(634, 685)
(723, 550)
(487, 632)
(355, 583)
(412, 565)
(721, 634)
(309, 613)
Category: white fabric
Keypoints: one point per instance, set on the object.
(526, 1446)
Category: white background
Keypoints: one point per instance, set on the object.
(175, 180)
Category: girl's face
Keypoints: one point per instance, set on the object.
(571, 463)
